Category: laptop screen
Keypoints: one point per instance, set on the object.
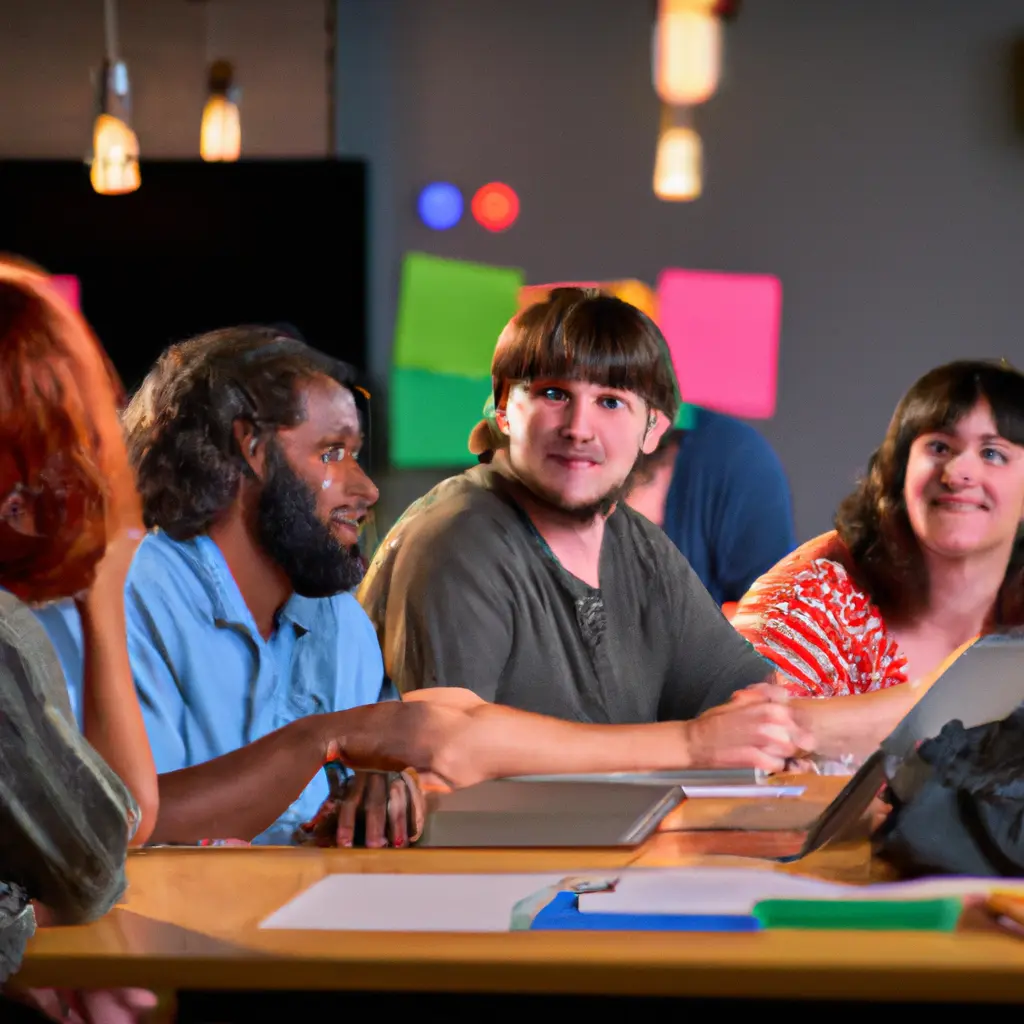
(985, 684)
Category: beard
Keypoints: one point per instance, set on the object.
(292, 533)
(584, 512)
(580, 513)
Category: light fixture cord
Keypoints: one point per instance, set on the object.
(331, 60)
(209, 33)
(110, 29)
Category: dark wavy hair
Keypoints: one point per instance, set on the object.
(179, 425)
(873, 521)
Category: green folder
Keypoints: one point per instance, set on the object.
(938, 915)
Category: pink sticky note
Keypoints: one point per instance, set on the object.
(723, 333)
(68, 288)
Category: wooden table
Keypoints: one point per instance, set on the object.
(190, 920)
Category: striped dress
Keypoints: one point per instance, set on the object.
(818, 627)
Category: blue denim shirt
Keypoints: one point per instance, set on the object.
(207, 681)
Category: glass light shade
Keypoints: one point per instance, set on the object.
(687, 51)
(678, 165)
(115, 157)
(220, 137)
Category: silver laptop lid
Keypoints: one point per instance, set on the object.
(579, 814)
(985, 684)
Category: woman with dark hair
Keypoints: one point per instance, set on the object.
(70, 804)
(927, 554)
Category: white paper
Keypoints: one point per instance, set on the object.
(702, 891)
(414, 903)
(483, 903)
(736, 890)
(741, 792)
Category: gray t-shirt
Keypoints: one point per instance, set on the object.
(464, 592)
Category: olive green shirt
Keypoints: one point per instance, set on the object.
(463, 591)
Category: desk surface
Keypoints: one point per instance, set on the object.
(190, 920)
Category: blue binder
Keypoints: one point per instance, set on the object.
(562, 913)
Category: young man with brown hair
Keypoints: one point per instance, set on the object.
(529, 581)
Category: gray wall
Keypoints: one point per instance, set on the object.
(862, 150)
(49, 48)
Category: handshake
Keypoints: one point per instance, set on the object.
(757, 727)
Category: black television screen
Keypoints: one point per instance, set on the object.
(199, 246)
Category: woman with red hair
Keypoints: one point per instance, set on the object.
(70, 802)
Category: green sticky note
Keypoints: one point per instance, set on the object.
(686, 418)
(451, 312)
(430, 416)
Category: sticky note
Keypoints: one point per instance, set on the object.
(723, 333)
(431, 415)
(451, 312)
(630, 290)
(68, 288)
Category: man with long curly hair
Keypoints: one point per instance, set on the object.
(245, 446)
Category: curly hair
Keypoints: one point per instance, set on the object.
(872, 521)
(56, 383)
(179, 425)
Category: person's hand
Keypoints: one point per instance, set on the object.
(756, 729)
(112, 569)
(125, 529)
(396, 735)
(760, 692)
(91, 1006)
(393, 809)
(374, 809)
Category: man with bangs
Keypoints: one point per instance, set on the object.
(528, 580)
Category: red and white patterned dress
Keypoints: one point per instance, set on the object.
(822, 631)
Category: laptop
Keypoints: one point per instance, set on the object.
(688, 778)
(985, 684)
(508, 812)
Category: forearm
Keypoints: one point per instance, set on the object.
(111, 718)
(241, 794)
(500, 741)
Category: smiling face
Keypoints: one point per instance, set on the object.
(573, 443)
(964, 488)
(315, 495)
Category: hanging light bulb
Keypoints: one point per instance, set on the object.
(220, 136)
(115, 161)
(114, 164)
(678, 164)
(687, 51)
